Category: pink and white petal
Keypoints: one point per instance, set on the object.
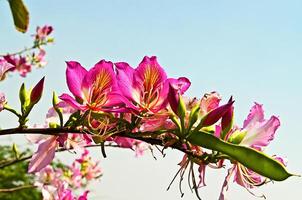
(36, 138)
(72, 102)
(256, 115)
(44, 155)
(4, 67)
(262, 133)
(75, 74)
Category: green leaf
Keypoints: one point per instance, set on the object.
(250, 158)
(20, 15)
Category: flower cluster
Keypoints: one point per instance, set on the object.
(58, 182)
(24, 60)
(114, 104)
(149, 101)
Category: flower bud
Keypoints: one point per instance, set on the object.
(227, 121)
(36, 92)
(194, 115)
(213, 116)
(23, 97)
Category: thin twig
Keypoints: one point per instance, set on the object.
(15, 161)
(17, 188)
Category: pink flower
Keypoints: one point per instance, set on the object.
(43, 32)
(89, 169)
(177, 87)
(209, 102)
(146, 86)
(4, 67)
(39, 59)
(97, 88)
(257, 133)
(20, 64)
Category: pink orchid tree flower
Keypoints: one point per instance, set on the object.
(59, 183)
(257, 132)
(4, 67)
(209, 102)
(43, 32)
(95, 90)
(146, 87)
(20, 63)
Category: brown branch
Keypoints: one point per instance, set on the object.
(17, 188)
(145, 137)
(42, 131)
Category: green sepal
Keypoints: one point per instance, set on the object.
(58, 110)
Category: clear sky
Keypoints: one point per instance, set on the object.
(249, 49)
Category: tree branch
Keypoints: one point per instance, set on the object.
(17, 188)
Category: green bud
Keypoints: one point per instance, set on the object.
(53, 125)
(58, 110)
(237, 137)
(16, 151)
(24, 98)
(194, 115)
(181, 109)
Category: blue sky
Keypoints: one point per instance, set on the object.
(248, 49)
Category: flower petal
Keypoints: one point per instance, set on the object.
(72, 102)
(225, 185)
(181, 84)
(256, 115)
(4, 67)
(126, 82)
(150, 73)
(44, 155)
(75, 74)
(101, 76)
(209, 102)
(261, 133)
